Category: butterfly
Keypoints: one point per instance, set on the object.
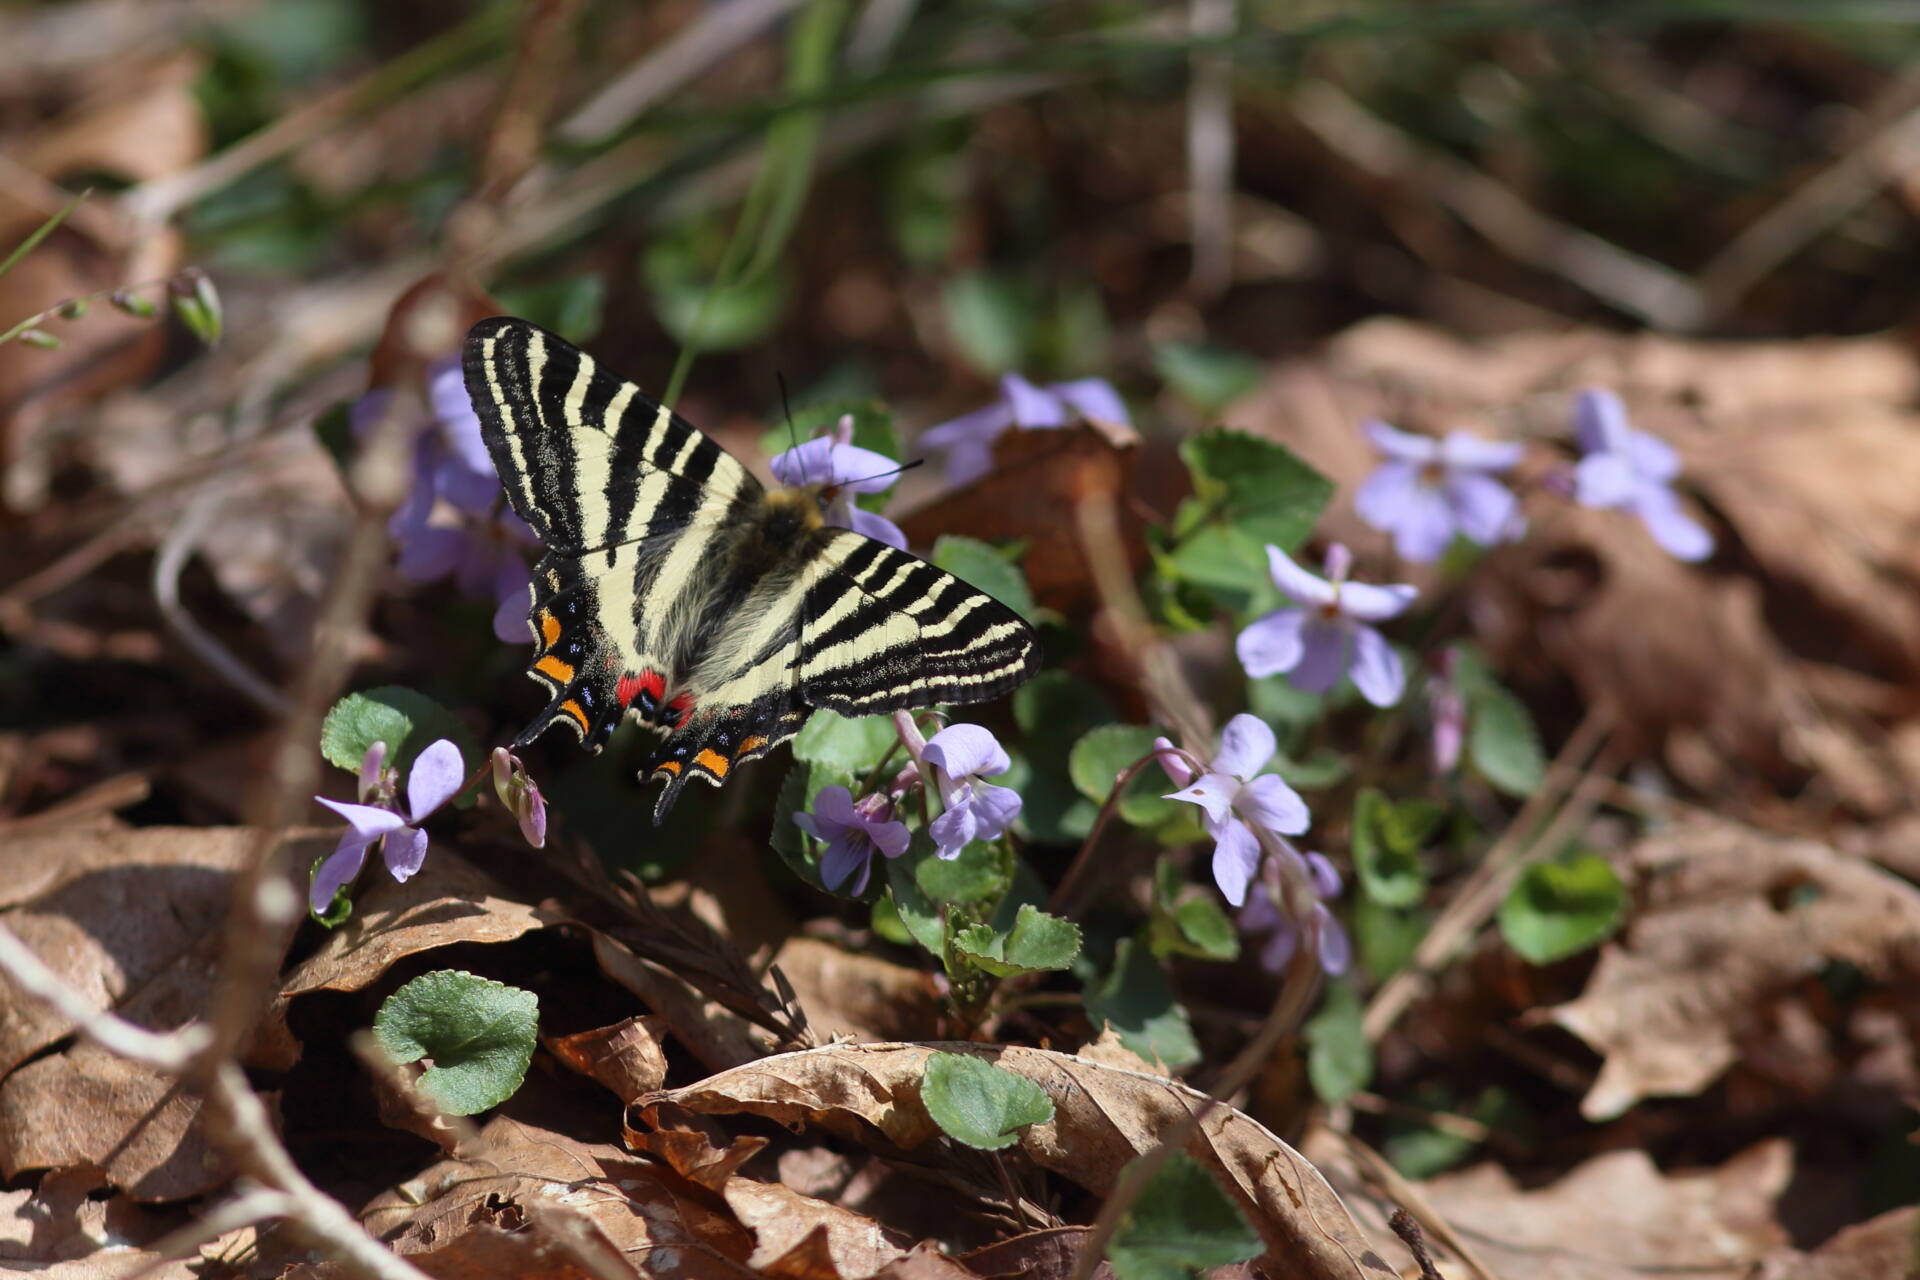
(677, 590)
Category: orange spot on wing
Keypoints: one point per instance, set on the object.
(668, 767)
(549, 629)
(561, 672)
(713, 762)
(572, 708)
(750, 744)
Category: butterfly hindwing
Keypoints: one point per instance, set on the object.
(678, 591)
(884, 630)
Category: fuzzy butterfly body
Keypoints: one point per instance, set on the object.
(677, 590)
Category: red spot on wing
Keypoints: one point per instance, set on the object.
(682, 707)
(631, 687)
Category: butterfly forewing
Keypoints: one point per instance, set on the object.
(588, 459)
(677, 590)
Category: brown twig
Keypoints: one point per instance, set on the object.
(1405, 1226)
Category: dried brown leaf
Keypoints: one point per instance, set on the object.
(1036, 1255)
(1103, 1118)
(533, 1201)
(132, 919)
(1879, 1249)
(784, 1222)
(1618, 1217)
(1732, 920)
(847, 994)
(626, 1057)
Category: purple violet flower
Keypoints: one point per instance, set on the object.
(1448, 706)
(520, 795)
(1264, 914)
(436, 777)
(961, 755)
(454, 520)
(852, 832)
(1233, 792)
(1632, 471)
(1326, 636)
(1428, 490)
(843, 469)
(968, 440)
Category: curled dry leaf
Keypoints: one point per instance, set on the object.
(1732, 920)
(626, 1057)
(1036, 1255)
(536, 1202)
(1103, 1118)
(130, 918)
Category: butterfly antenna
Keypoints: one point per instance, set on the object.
(793, 433)
(878, 475)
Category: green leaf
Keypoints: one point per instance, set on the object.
(1182, 1224)
(1557, 909)
(1339, 1059)
(1210, 376)
(850, 745)
(333, 428)
(919, 914)
(991, 320)
(1194, 927)
(1054, 710)
(1385, 937)
(479, 1033)
(1388, 874)
(570, 305)
(887, 922)
(1256, 486)
(1407, 826)
(1501, 742)
(1136, 1000)
(1037, 942)
(980, 1104)
(1097, 760)
(1206, 930)
(977, 563)
(677, 270)
(197, 303)
(408, 722)
(980, 872)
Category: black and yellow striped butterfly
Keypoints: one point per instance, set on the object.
(676, 589)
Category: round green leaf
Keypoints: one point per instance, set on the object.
(479, 1034)
(1502, 743)
(1339, 1057)
(1136, 1000)
(980, 1104)
(1558, 909)
(1097, 760)
(408, 722)
(834, 741)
